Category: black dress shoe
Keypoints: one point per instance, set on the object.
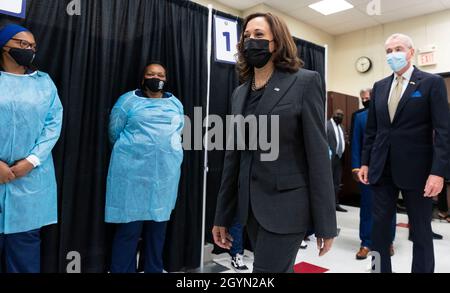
(341, 209)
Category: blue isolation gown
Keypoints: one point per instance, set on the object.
(30, 124)
(145, 164)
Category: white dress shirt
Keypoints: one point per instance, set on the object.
(34, 160)
(338, 132)
(406, 79)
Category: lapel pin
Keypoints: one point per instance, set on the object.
(276, 89)
(412, 82)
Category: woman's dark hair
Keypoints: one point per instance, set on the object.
(286, 54)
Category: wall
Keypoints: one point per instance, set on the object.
(424, 30)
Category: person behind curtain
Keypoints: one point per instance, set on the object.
(142, 185)
(406, 149)
(365, 223)
(336, 141)
(277, 200)
(30, 120)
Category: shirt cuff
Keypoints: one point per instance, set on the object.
(33, 160)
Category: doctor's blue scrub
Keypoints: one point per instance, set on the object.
(143, 177)
(30, 122)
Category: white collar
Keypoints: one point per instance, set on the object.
(408, 74)
(20, 75)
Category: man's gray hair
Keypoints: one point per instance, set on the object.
(361, 92)
(406, 40)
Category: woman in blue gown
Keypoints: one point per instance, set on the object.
(142, 186)
(30, 125)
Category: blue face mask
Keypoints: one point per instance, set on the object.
(397, 61)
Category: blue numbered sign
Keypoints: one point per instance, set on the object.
(226, 39)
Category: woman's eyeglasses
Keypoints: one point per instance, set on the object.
(25, 44)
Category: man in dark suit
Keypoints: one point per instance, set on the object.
(336, 141)
(406, 149)
(365, 223)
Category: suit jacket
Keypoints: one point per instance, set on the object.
(296, 190)
(331, 136)
(416, 142)
(359, 127)
(352, 123)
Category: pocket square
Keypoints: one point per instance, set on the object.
(416, 94)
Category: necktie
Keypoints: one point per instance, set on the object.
(396, 96)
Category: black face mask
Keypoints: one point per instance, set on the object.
(23, 57)
(257, 52)
(154, 85)
(338, 119)
(366, 104)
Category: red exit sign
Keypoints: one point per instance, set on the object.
(427, 59)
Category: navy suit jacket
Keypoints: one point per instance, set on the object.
(359, 127)
(416, 142)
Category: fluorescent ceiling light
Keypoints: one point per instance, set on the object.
(327, 7)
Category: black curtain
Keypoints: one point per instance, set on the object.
(94, 58)
(312, 55)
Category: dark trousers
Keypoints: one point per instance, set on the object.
(124, 250)
(366, 219)
(442, 200)
(236, 232)
(336, 167)
(21, 252)
(273, 253)
(419, 208)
